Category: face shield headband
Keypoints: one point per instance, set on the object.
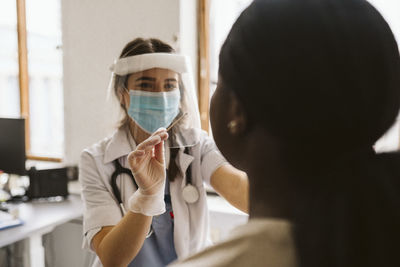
(132, 64)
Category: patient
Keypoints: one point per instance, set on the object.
(306, 88)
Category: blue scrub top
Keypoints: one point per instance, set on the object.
(159, 249)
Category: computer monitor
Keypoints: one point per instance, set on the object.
(12, 145)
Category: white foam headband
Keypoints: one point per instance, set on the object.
(132, 64)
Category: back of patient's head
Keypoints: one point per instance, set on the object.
(315, 71)
(323, 78)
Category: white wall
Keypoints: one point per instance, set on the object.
(94, 33)
(188, 38)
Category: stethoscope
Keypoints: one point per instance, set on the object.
(189, 193)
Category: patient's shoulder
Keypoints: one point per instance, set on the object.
(258, 243)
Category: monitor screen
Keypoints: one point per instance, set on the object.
(12, 146)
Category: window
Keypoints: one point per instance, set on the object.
(212, 32)
(31, 73)
(219, 29)
(9, 89)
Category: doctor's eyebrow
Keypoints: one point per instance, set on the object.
(145, 78)
(170, 80)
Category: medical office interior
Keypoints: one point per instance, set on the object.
(54, 74)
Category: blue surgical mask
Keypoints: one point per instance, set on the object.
(152, 110)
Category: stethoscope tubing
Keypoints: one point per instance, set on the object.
(121, 170)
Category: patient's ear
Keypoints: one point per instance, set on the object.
(237, 121)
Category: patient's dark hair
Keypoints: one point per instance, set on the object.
(323, 78)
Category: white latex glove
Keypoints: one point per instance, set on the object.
(147, 164)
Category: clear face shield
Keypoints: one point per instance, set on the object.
(157, 91)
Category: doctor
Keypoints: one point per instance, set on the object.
(130, 220)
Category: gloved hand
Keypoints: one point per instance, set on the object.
(147, 164)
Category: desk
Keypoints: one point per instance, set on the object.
(41, 218)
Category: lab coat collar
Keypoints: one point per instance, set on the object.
(181, 209)
(183, 162)
(121, 144)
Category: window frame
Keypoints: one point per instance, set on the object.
(23, 77)
(204, 62)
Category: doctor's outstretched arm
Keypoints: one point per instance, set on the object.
(233, 185)
(118, 245)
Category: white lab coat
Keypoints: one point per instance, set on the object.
(101, 209)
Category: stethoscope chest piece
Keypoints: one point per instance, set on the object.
(190, 194)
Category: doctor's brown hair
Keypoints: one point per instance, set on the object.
(135, 47)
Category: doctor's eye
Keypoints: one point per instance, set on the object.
(170, 86)
(145, 85)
